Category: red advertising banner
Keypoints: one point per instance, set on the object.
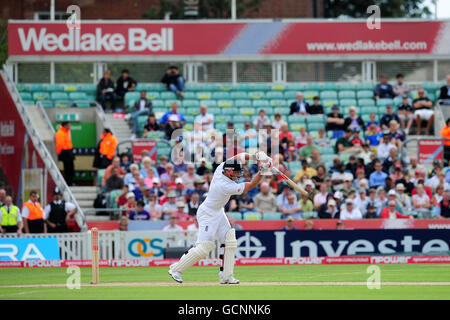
(430, 150)
(12, 139)
(325, 224)
(139, 146)
(239, 262)
(143, 38)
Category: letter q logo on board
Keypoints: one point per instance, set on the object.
(142, 250)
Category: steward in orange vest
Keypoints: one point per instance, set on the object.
(64, 149)
(33, 215)
(106, 149)
(445, 134)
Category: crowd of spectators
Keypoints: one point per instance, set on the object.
(369, 176)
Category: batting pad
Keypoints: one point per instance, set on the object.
(194, 255)
(230, 249)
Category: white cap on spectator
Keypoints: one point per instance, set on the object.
(332, 203)
(392, 192)
(130, 195)
(179, 180)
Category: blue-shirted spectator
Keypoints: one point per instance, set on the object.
(378, 177)
(174, 110)
(388, 117)
(383, 89)
(139, 213)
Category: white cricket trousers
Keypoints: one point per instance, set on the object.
(212, 225)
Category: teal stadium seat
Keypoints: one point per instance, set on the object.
(278, 103)
(191, 104)
(296, 86)
(254, 215)
(347, 102)
(235, 215)
(243, 103)
(365, 86)
(256, 95)
(366, 102)
(41, 96)
(225, 103)
(274, 95)
(204, 95)
(309, 94)
(347, 94)
(261, 104)
(56, 87)
(77, 96)
(260, 86)
(239, 95)
(328, 86)
(346, 86)
(272, 216)
(364, 94)
(221, 95)
(328, 95)
(278, 87)
(290, 95)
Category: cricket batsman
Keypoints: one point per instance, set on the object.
(212, 221)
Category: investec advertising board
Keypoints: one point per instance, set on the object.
(143, 38)
(335, 243)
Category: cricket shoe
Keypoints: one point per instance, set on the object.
(175, 275)
(231, 280)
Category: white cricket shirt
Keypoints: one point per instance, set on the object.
(220, 191)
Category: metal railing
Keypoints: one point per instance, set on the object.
(112, 244)
(42, 149)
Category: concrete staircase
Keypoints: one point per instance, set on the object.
(85, 197)
(120, 127)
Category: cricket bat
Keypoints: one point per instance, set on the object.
(290, 182)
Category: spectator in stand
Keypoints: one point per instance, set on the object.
(316, 159)
(356, 140)
(405, 113)
(388, 117)
(306, 169)
(173, 111)
(278, 122)
(391, 160)
(322, 140)
(315, 108)
(445, 134)
(445, 91)
(383, 89)
(335, 122)
(301, 140)
(64, 149)
(422, 202)
(306, 204)
(154, 208)
(397, 135)
(371, 212)
(105, 90)
(385, 146)
(139, 213)
(172, 226)
(108, 172)
(329, 210)
(321, 197)
(173, 124)
(289, 225)
(123, 223)
(129, 178)
(353, 121)
(125, 84)
(166, 177)
(320, 177)
(146, 194)
(350, 212)
(161, 168)
(378, 177)
(33, 215)
(291, 208)
(403, 199)
(170, 206)
(300, 106)
(10, 218)
(338, 177)
(444, 206)
(190, 176)
(245, 203)
(260, 120)
(174, 81)
(373, 120)
(362, 201)
(121, 200)
(180, 189)
(180, 213)
(205, 119)
(344, 144)
(142, 107)
(125, 162)
(437, 180)
(391, 212)
(106, 149)
(306, 151)
(114, 182)
(401, 88)
(265, 201)
(151, 126)
(139, 189)
(282, 198)
(193, 204)
(373, 137)
(414, 166)
(309, 225)
(248, 138)
(392, 196)
(423, 111)
(437, 196)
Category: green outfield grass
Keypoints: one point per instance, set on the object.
(155, 283)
